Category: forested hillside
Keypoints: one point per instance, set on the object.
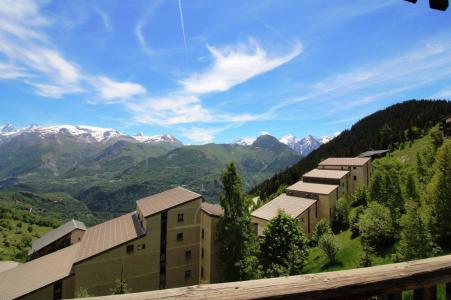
(387, 128)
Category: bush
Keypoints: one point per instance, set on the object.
(376, 226)
(360, 197)
(329, 245)
(30, 229)
(342, 213)
(322, 227)
(354, 217)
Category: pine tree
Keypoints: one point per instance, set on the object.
(376, 188)
(439, 196)
(416, 240)
(239, 245)
(393, 195)
(421, 172)
(411, 188)
(284, 246)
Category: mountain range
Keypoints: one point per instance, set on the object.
(107, 171)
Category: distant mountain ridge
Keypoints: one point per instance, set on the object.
(82, 133)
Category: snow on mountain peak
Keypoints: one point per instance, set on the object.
(87, 133)
(288, 139)
(304, 145)
(244, 141)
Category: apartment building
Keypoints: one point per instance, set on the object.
(315, 196)
(303, 209)
(332, 177)
(155, 247)
(59, 238)
(359, 167)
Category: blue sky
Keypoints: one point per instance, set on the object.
(215, 71)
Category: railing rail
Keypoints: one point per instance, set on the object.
(385, 281)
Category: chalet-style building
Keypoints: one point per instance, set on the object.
(169, 241)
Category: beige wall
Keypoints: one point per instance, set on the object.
(47, 292)
(361, 174)
(176, 263)
(210, 262)
(326, 206)
(76, 236)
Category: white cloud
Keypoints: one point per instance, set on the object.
(9, 71)
(202, 135)
(111, 90)
(235, 65)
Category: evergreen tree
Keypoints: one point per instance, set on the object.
(411, 188)
(439, 196)
(376, 188)
(239, 245)
(360, 196)
(421, 172)
(284, 248)
(416, 240)
(393, 195)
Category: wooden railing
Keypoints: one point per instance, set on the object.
(385, 282)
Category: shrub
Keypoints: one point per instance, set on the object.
(354, 217)
(329, 245)
(376, 226)
(342, 213)
(322, 227)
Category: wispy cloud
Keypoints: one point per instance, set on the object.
(111, 90)
(235, 65)
(139, 28)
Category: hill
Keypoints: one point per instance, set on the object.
(383, 129)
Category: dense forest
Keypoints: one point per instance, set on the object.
(387, 128)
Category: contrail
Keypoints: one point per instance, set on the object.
(183, 27)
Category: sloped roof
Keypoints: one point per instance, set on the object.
(212, 209)
(315, 188)
(56, 234)
(109, 234)
(37, 273)
(344, 161)
(294, 206)
(372, 152)
(162, 201)
(329, 174)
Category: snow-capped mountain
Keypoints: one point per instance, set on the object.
(244, 141)
(164, 138)
(304, 145)
(81, 133)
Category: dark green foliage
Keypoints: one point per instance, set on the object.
(439, 197)
(284, 248)
(322, 227)
(354, 217)
(416, 240)
(328, 243)
(341, 218)
(360, 196)
(239, 246)
(367, 252)
(365, 134)
(377, 191)
(421, 172)
(411, 188)
(376, 226)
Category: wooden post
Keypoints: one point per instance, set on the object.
(426, 293)
(448, 291)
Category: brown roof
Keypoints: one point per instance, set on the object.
(344, 161)
(37, 273)
(212, 209)
(329, 174)
(109, 234)
(294, 206)
(159, 202)
(56, 234)
(315, 188)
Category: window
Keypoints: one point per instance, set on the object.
(187, 274)
(58, 290)
(302, 219)
(349, 168)
(201, 272)
(330, 212)
(355, 178)
(141, 247)
(180, 218)
(354, 168)
(188, 254)
(202, 252)
(179, 237)
(203, 233)
(130, 249)
(162, 257)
